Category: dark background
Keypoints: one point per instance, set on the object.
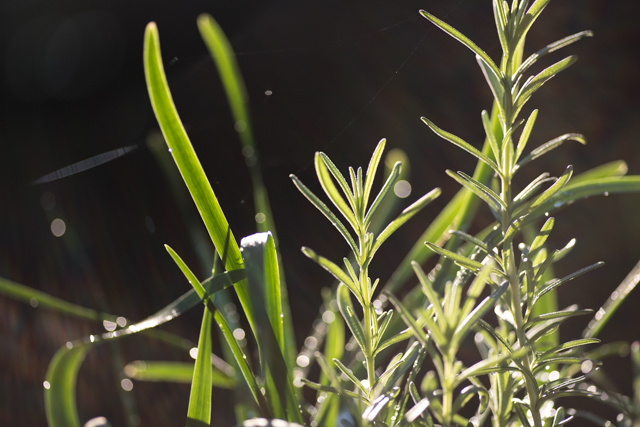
(342, 76)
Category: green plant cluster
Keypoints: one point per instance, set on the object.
(506, 269)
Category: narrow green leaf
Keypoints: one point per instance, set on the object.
(462, 144)
(405, 216)
(613, 169)
(531, 86)
(479, 367)
(495, 335)
(522, 415)
(345, 304)
(526, 132)
(431, 294)
(551, 48)
(458, 259)
(349, 374)
(225, 60)
(199, 412)
(335, 271)
(550, 145)
(494, 82)
(618, 296)
(349, 193)
(531, 188)
(401, 336)
(476, 314)
(480, 190)
(388, 185)
(528, 19)
(60, 385)
(557, 282)
(193, 281)
(408, 319)
(258, 251)
(567, 346)
(43, 300)
(491, 137)
(462, 39)
(475, 289)
(371, 170)
(175, 372)
(541, 238)
(553, 189)
(189, 165)
(332, 192)
(326, 212)
(557, 315)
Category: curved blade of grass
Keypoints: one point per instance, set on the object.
(462, 144)
(199, 412)
(615, 300)
(189, 165)
(43, 300)
(462, 39)
(60, 395)
(63, 369)
(175, 372)
(259, 253)
(234, 86)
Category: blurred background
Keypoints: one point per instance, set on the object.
(328, 76)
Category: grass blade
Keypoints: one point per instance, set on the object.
(43, 300)
(260, 258)
(225, 60)
(176, 372)
(199, 412)
(189, 165)
(615, 300)
(60, 386)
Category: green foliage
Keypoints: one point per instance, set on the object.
(369, 379)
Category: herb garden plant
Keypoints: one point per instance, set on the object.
(401, 365)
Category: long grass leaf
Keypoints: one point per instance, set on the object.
(60, 386)
(603, 315)
(199, 412)
(176, 372)
(260, 258)
(189, 165)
